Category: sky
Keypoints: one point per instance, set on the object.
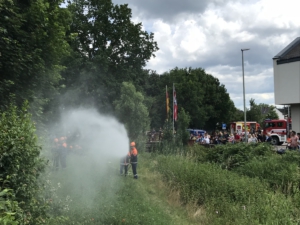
(211, 33)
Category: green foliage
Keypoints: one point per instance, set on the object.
(199, 93)
(279, 174)
(20, 153)
(155, 90)
(228, 197)
(255, 160)
(104, 197)
(108, 49)
(168, 132)
(237, 115)
(132, 112)
(21, 166)
(182, 135)
(8, 208)
(260, 112)
(231, 156)
(32, 43)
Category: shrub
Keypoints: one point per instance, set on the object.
(255, 160)
(275, 171)
(228, 197)
(20, 164)
(8, 207)
(231, 156)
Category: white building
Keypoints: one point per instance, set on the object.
(286, 66)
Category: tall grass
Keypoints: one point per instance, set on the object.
(281, 172)
(107, 198)
(230, 184)
(228, 197)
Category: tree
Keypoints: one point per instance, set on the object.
(32, 44)
(109, 49)
(200, 94)
(155, 91)
(182, 134)
(132, 112)
(260, 112)
(237, 115)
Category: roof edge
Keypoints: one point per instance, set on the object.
(287, 48)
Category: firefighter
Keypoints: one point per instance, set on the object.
(124, 162)
(55, 151)
(133, 159)
(63, 150)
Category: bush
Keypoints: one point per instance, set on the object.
(8, 207)
(255, 160)
(231, 156)
(20, 164)
(228, 197)
(275, 171)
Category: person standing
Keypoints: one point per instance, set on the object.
(225, 137)
(237, 137)
(294, 141)
(160, 134)
(268, 138)
(63, 152)
(133, 159)
(124, 164)
(55, 151)
(206, 139)
(259, 137)
(153, 134)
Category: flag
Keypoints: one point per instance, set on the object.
(167, 103)
(174, 105)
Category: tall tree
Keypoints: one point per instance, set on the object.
(201, 95)
(131, 111)
(32, 44)
(109, 49)
(155, 91)
(260, 112)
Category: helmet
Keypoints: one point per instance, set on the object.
(62, 138)
(55, 140)
(132, 144)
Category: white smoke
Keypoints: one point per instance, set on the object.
(95, 145)
(100, 136)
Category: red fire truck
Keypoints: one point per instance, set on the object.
(239, 127)
(278, 129)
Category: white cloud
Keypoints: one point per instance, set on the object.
(210, 34)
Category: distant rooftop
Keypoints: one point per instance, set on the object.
(290, 51)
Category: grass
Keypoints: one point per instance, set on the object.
(181, 189)
(227, 197)
(102, 196)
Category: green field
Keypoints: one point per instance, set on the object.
(237, 184)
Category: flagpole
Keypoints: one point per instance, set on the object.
(173, 111)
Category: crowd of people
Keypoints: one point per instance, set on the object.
(224, 137)
(60, 149)
(155, 135)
